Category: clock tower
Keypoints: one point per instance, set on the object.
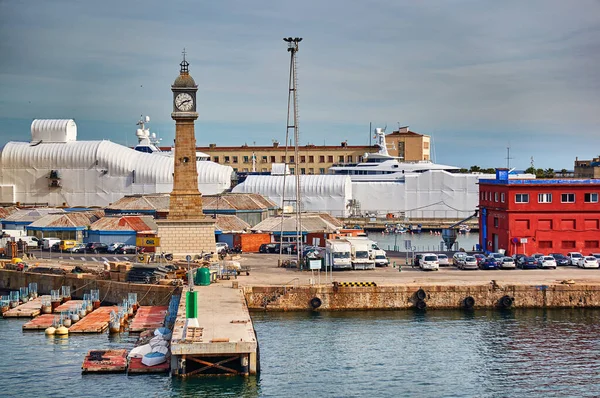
(186, 199)
(186, 231)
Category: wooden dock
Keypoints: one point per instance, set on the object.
(94, 322)
(68, 305)
(148, 317)
(30, 309)
(225, 341)
(42, 322)
(105, 361)
(136, 366)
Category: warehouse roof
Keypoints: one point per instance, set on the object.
(31, 215)
(229, 223)
(238, 201)
(125, 223)
(311, 222)
(78, 219)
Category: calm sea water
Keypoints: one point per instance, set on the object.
(422, 242)
(347, 354)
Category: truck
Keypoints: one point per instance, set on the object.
(362, 253)
(338, 254)
(381, 259)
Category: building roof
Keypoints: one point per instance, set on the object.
(31, 215)
(157, 202)
(7, 211)
(125, 223)
(311, 222)
(542, 181)
(403, 132)
(81, 219)
(228, 223)
(237, 201)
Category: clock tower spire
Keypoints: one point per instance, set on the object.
(186, 199)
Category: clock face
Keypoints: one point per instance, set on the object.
(184, 102)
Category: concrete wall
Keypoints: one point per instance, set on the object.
(110, 292)
(398, 297)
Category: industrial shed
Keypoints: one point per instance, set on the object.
(124, 229)
(311, 222)
(21, 218)
(250, 207)
(67, 225)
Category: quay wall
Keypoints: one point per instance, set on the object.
(269, 298)
(111, 292)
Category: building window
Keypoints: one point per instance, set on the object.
(246, 159)
(311, 159)
(522, 198)
(496, 222)
(591, 244)
(590, 198)
(302, 159)
(321, 171)
(567, 198)
(245, 169)
(544, 198)
(330, 158)
(496, 197)
(264, 170)
(481, 194)
(303, 171)
(292, 170)
(568, 244)
(235, 159)
(283, 159)
(226, 159)
(349, 158)
(264, 159)
(216, 159)
(235, 170)
(502, 197)
(311, 171)
(292, 159)
(341, 158)
(272, 159)
(545, 244)
(426, 145)
(321, 159)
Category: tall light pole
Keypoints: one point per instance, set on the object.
(292, 124)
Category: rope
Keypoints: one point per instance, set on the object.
(107, 290)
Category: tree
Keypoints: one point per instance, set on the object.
(564, 172)
(491, 170)
(530, 170)
(463, 171)
(475, 169)
(539, 173)
(549, 173)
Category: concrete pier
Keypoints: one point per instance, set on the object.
(225, 341)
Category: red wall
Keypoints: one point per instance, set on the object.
(554, 227)
(250, 243)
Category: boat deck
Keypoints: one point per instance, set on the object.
(30, 309)
(148, 317)
(94, 322)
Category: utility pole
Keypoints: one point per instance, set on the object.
(292, 125)
(508, 158)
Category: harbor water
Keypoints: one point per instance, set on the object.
(423, 242)
(530, 352)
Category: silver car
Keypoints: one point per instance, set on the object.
(547, 262)
(443, 260)
(469, 262)
(507, 263)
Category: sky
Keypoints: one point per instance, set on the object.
(477, 76)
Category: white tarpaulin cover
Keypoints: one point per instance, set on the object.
(432, 194)
(326, 193)
(92, 173)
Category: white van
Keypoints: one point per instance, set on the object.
(30, 241)
(48, 242)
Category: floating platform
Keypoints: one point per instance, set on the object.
(68, 305)
(30, 309)
(148, 317)
(42, 322)
(225, 341)
(136, 366)
(105, 361)
(94, 322)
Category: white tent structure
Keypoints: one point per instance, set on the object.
(57, 169)
(432, 194)
(327, 193)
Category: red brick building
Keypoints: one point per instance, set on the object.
(539, 216)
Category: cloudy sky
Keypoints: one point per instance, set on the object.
(477, 76)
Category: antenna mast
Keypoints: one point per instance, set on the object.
(508, 158)
(292, 125)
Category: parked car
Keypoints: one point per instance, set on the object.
(113, 247)
(78, 248)
(65, 245)
(458, 257)
(507, 263)
(221, 246)
(429, 262)
(537, 255)
(597, 255)
(96, 247)
(517, 256)
(55, 247)
(443, 260)
(470, 262)
(129, 249)
(496, 256)
(547, 262)
(489, 263)
(588, 262)
(418, 258)
(264, 248)
(480, 258)
(527, 263)
(561, 259)
(574, 258)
